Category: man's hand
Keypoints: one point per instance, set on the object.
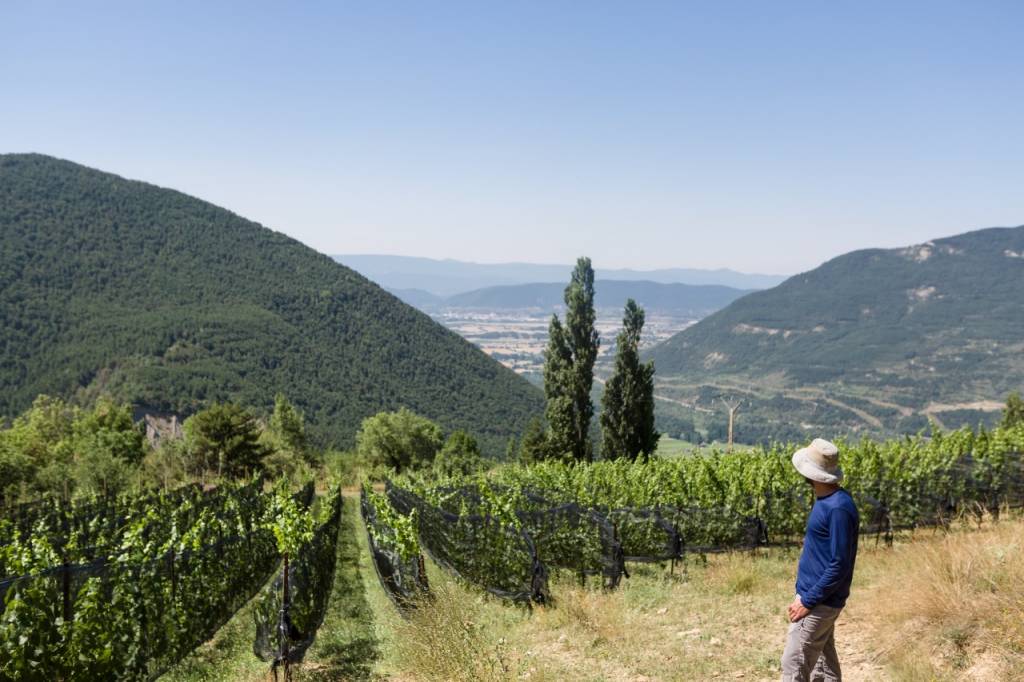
(797, 610)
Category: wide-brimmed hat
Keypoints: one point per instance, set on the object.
(819, 461)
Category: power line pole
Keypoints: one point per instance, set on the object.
(732, 417)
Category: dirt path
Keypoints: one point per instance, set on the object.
(867, 417)
(691, 406)
(799, 394)
(818, 393)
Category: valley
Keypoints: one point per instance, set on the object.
(517, 338)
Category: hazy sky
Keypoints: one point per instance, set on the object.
(763, 136)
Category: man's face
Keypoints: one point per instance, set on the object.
(809, 481)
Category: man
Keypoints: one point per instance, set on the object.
(826, 569)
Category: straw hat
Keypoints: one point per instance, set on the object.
(819, 461)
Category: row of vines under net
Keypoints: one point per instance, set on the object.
(504, 534)
(394, 550)
(291, 609)
(127, 588)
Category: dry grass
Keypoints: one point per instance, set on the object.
(935, 607)
(455, 638)
(954, 606)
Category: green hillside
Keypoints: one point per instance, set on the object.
(158, 298)
(872, 341)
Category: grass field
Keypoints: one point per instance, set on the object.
(671, 447)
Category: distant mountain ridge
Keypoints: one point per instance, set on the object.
(885, 338)
(116, 286)
(449, 277)
(677, 299)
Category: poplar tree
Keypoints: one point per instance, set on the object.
(569, 369)
(627, 406)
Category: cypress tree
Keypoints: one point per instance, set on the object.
(627, 406)
(569, 369)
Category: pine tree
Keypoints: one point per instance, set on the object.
(226, 436)
(627, 407)
(569, 369)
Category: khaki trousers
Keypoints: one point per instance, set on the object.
(810, 654)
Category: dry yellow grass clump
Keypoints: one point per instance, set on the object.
(937, 606)
(954, 606)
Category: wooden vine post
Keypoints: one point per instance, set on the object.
(284, 625)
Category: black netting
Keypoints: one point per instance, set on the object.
(709, 530)
(147, 614)
(286, 628)
(969, 487)
(90, 530)
(642, 534)
(404, 579)
(645, 536)
(565, 535)
(571, 537)
(480, 549)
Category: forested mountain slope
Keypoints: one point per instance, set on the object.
(158, 298)
(898, 335)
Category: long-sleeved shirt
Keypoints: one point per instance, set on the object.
(830, 550)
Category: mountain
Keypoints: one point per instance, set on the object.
(872, 341)
(158, 298)
(448, 277)
(680, 299)
(418, 298)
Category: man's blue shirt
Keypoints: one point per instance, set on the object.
(830, 550)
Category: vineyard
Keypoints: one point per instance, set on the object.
(508, 531)
(124, 588)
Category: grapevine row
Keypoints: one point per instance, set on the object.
(590, 518)
(169, 573)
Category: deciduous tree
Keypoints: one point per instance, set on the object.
(460, 456)
(398, 440)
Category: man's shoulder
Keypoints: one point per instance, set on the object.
(843, 502)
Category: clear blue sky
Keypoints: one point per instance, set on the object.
(763, 136)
